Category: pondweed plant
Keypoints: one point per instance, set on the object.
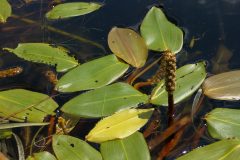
(117, 102)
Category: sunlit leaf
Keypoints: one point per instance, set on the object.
(45, 53)
(93, 74)
(42, 156)
(104, 101)
(23, 105)
(223, 123)
(16, 125)
(228, 149)
(128, 45)
(119, 125)
(224, 86)
(73, 9)
(132, 147)
(188, 80)
(159, 33)
(71, 148)
(5, 10)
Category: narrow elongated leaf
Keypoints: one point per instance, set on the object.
(132, 147)
(93, 74)
(159, 33)
(71, 148)
(5, 11)
(42, 156)
(16, 125)
(23, 105)
(119, 125)
(72, 9)
(223, 123)
(128, 45)
(222, 150)
(188, 80)
(224, 86)
(104, 101)
(45, 53)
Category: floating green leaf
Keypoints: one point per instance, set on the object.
(132, 147)
(24, 105)
(45, 53)
(223, 123)
(188, 80)
(104, 101)
(42, 156)
(228, 149)
(15, 125)
(73, 9)
(224, 86)
(70, 148)
(5, 11)
(128, 45)
(94, 74)
(159, 33)
(119, 125)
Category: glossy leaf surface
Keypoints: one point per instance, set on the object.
(223, 123)
(23, 105)
(132, 147)
(5, 11)
(45, 53)
(71, 148)
(159, 33)
(72, 9)
(93, 74)
(224, 86)
(222, 150)
(188, 80)
(119, 125)
(128, 45)
(42, 156)
(104, 101)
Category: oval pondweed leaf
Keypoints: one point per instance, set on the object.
(119, 125)
(104, 101)
(159, 33)
(188, 80)
(45, 53)
(72, 9)
(94, 74)
(128, 45)
(42, 156)
(224, 86)
(5, 11)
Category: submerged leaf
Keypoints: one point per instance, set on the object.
(23, 105)
(119, 125)
(159, 33)
(128, 45)
(224, 86)
(72, 9)
(71, 148)
(94, 74)
(5, 10)
(188, 80)
(223, 123)
(104, 101)
(228, 149)
(132, 147)
(42, 156)
(45, 53)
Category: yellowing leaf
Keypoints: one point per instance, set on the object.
(224, 86)
(128, 45)
(119, 125)
(5, 10)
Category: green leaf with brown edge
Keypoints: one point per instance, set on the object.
(223, 123)
(23, 105)
(133, 147)
(42, 156)
(45, 53)
(128, 45)
(91, 75)
(228, 149)
(70, 148)
(104, 101)
(159, 33)
(5, 11)
(188, 79)
(72, 9)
